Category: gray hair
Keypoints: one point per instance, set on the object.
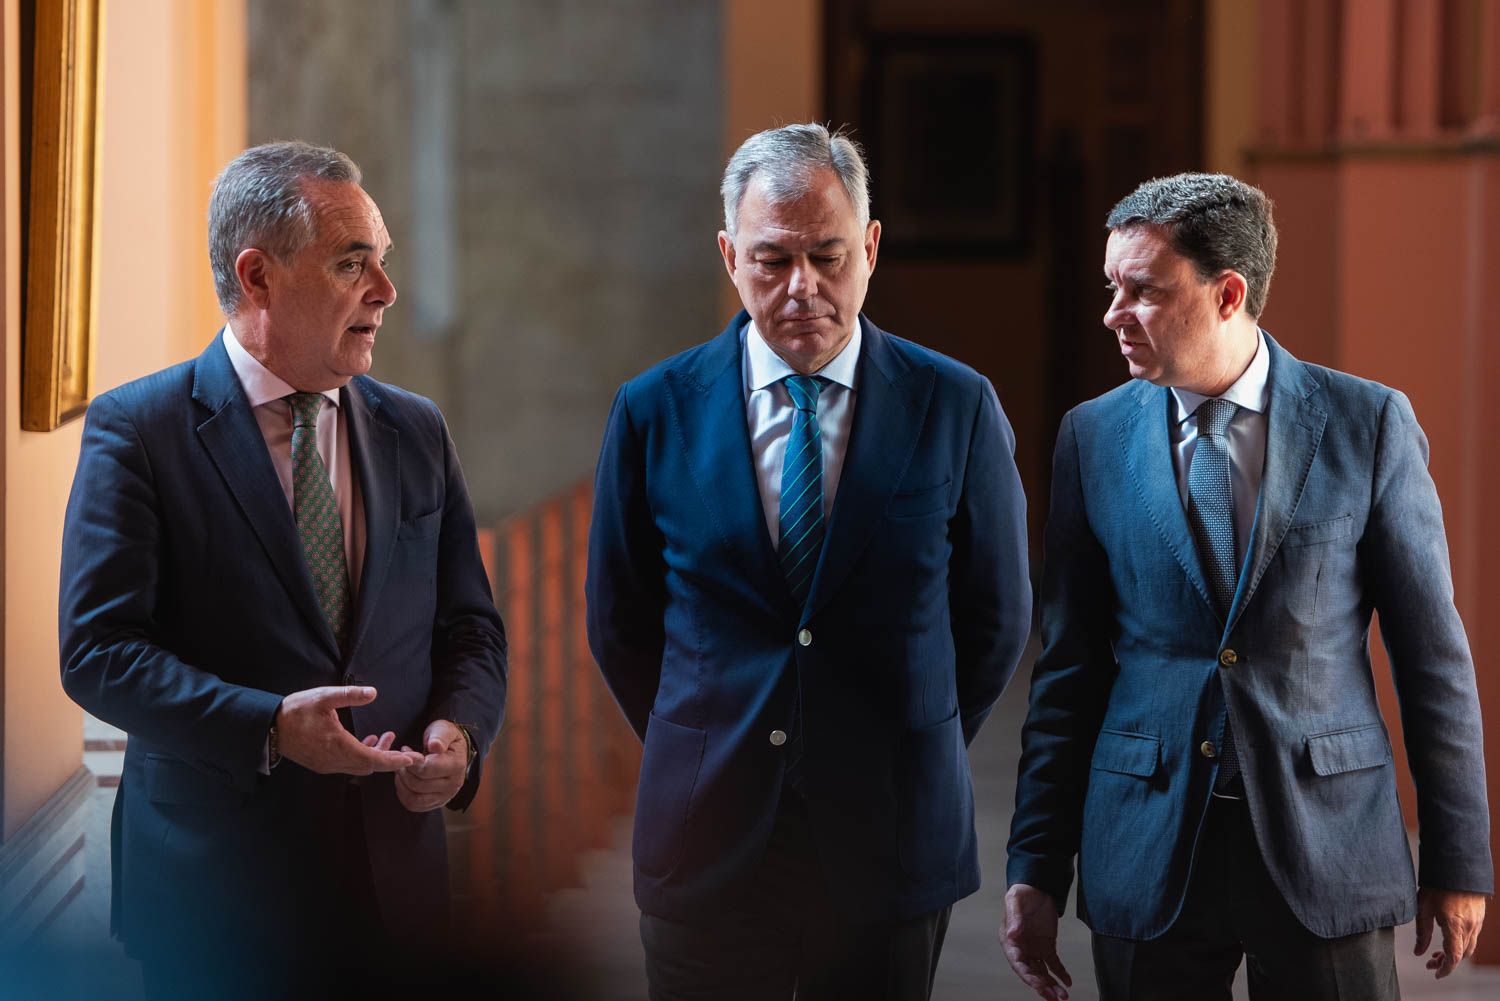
(260, 201)
(1216, 221)
(787, 158)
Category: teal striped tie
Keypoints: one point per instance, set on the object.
(802, 488)
(317, 510)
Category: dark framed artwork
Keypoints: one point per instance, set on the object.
(62, 242)
(950, 134)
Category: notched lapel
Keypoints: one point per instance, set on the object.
(1294, 429)
(375, 455)
(233, 440)
(890, 410)
(1148, 457)
(707, 402)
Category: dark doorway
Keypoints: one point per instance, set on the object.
(1000, 133)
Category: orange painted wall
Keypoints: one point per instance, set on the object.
(174, 112)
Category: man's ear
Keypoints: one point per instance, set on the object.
(253, 267)
(726, 250)
(1232, 293)
(872, 243)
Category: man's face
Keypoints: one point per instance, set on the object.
(1166, 318)
(802, 268)
(325, 304)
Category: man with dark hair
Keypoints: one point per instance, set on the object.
(807, 586)
(1204, 734)
(268, 556)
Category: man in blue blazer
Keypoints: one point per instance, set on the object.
(1204, 734)
(267, 556)
(807, 586)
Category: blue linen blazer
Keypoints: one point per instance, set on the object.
(919, 610)
(1137, 666)
(187, 612)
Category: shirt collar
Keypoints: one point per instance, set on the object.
(1250, 391)
(261, 385)
(766, 368)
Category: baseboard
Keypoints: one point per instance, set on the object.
(41, 866)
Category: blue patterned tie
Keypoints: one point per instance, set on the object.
(317, 511)
(802, 488)
(1211, 513)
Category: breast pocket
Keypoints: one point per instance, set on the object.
(423, 526)
(921, 502)
(1318, 532)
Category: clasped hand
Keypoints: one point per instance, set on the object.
(310, 733)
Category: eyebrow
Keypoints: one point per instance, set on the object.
(360, 246)
(778, 248)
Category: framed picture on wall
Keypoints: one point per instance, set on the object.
(951, 143)
(59, 308)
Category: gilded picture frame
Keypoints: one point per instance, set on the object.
(63, 232)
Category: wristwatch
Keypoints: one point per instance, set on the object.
(273, 751)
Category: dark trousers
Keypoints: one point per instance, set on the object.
(323, 954)
(1234, 911)
(783, 938)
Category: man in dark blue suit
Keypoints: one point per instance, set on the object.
(266, 553)
(807, 586)
(1204, 734)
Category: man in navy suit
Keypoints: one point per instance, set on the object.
(1204, 733)
(807, 586)
(267, 557)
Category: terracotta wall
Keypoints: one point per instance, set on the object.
(1377, 136)
(173, 113)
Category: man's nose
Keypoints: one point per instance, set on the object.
(804, 281)
(1114, 316)
(383, 291)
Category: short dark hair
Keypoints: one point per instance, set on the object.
(1216, 221)
(259, 201)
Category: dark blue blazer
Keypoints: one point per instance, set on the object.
(1136, 667)
(187, 612)
(918, 613)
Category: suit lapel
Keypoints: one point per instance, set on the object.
(707, 398)
(1294, 428)
(375, 459)
(1147, 450)
(234, 442)
(890, 408)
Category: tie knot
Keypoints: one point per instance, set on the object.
(805, 390)
(305, 408)
(1214, 417)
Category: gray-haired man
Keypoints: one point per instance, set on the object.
(807, 587)
(267, 557)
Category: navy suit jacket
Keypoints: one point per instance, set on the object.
(1136, 667)
(919, 610)
(187, 612)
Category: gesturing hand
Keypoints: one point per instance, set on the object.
(1459, 916)
(308, 732)
(1030, 941)
(437, 776)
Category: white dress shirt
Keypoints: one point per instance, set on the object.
(769, 414)
(1246, 437)
(266, 392)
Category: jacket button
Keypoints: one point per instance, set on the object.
(805, 637)
(778, 737)
(1207, 749)
(1229, 658)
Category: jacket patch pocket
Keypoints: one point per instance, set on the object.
(1127, 753)
(1349, 750)
(936, 811)
(669, 773)
(1319, 531)
(918, 503)
(421, 527)
(169, 780)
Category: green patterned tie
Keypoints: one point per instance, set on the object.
(317, 511)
